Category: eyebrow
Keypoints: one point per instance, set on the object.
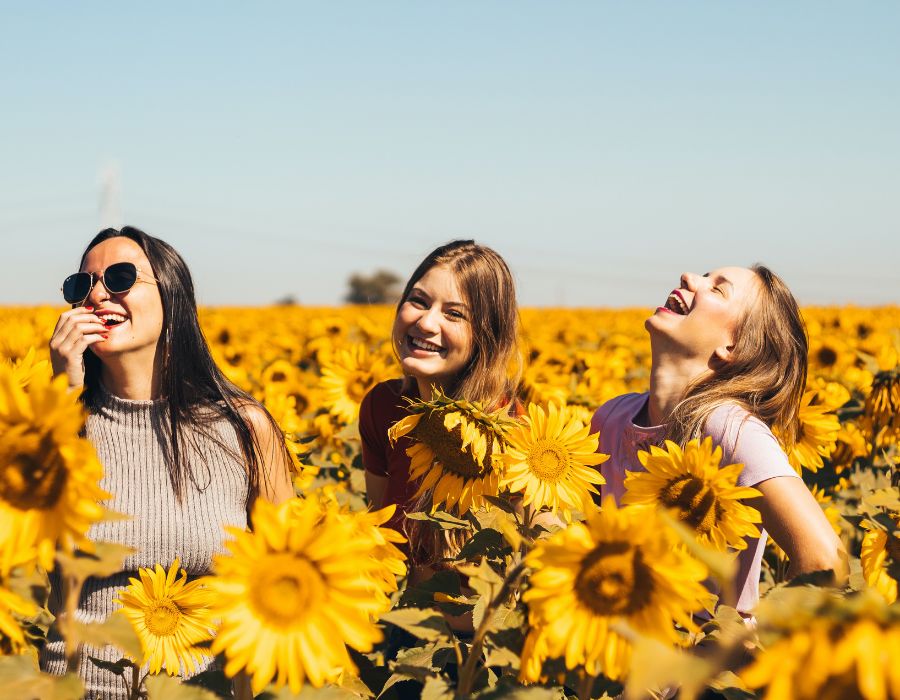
(419, 290)
(721, 279)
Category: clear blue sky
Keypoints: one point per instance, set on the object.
(601, 147)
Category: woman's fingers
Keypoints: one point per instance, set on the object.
(75, 330)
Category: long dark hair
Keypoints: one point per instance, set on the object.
(194, 390)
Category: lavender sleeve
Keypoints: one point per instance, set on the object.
(748, 441)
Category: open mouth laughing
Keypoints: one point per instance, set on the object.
(111, 319)
(676, 303)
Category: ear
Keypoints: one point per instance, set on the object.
(723, 354)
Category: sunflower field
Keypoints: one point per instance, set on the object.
(540, 594)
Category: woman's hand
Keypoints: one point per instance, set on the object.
(75, 330)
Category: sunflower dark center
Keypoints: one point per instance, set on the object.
(447, 447)
(695, 500)
(34, 478)
(826, 356)
(548, 460)
(358, 385)
(614, 580)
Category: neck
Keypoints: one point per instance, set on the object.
(424, 385)
(670, 376)
(135, 376)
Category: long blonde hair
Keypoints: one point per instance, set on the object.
(767, 371)
(492, 372)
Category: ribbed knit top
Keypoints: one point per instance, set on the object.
(130, 444)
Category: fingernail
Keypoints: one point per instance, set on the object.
(89, 308)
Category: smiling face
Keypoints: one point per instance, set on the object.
(700, 317)
(134, 318)
(432, 332)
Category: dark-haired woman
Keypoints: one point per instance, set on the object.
(729, 362)
(184, 451)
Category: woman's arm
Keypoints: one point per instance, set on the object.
(798, 525)
(376, 490)
(274, 463)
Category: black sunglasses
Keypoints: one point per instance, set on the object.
(117, 278)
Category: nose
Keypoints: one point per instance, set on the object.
(689, 280)
(428, 321)
(98, 292)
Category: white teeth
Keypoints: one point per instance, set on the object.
(676, 304)
(112, 317)
(424, 344)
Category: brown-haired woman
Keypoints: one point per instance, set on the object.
(729, 360)
(456, 329)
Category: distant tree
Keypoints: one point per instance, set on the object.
(287, 300)
(381, 287)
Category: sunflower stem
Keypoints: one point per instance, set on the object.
(135, 693)
(71, 592)
(470, 668)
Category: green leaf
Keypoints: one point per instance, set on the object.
(484, 543)
(213, 680)
(106, 560)
(511, 692)
(656, 665)
(436, 689)
(423, 594)
(429, 625)
(502, 503)
(165, 687)
(117, 668)
(116, 630)
(441, 520)
(501, 522)
(20, 678)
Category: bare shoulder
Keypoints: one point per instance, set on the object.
(258, 419)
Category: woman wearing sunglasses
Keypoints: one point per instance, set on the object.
(184, 451)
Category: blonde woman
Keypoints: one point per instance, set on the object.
(729, 361)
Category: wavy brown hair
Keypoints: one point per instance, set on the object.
(492, 372)
(488, 289)
(766, 374)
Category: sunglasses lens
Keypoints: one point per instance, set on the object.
(120, 277)
(76, 287)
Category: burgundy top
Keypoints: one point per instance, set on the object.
(744, 439)
(383, 406)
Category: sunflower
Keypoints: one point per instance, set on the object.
(621, 566)
(456, 452)
(819, 646)
(169, 615)
(551, 458)
(49, 478)
(293, 593)
(819, 428)
(882, 409)
(368, 525)
(347, 378)
(703, 494)
(13, 607)
(878, 546)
